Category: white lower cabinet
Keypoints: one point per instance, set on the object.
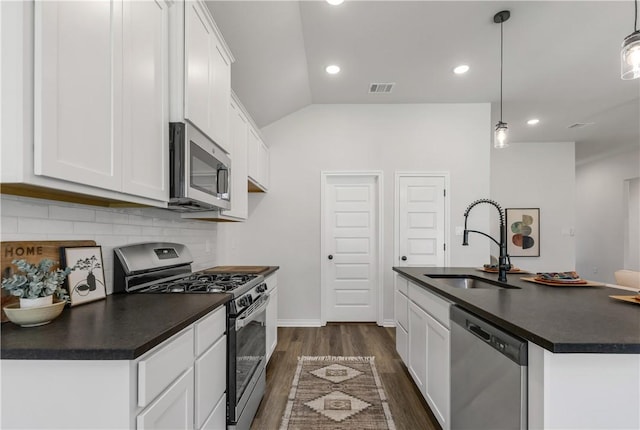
(401, 305)
(173, 409)
(427, 353)
(272, 315)
(179, 384)
(210, 382)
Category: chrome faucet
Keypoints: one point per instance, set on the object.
(503, 266)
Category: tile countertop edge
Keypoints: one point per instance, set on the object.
(550, 345)
(27, 343)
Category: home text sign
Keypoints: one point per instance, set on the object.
(33, 252)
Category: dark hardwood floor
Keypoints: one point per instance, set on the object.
(408, 408)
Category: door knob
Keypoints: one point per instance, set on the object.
(330, 257)
(404, 258)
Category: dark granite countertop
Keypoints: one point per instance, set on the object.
(562, 319)
(121, 327)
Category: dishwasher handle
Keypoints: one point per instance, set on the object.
(477, 330)
(506, 343)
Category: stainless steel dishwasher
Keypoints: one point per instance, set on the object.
(488, 375)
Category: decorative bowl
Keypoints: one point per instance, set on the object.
(33, 317)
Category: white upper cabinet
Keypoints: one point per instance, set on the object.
(258, 162)
(78, 92)
(238, 129)
(145, 101)
(201, 72)
(95, 106)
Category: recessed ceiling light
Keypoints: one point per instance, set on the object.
(335, 2)
(332, 69)
(463, 68)
(533, 121)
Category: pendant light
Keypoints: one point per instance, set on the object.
(630, 54)
(500, 139)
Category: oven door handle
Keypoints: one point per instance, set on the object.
(241, 322)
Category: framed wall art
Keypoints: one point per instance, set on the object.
(85, 283)
(523, 232)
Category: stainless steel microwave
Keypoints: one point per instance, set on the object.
(199, 171)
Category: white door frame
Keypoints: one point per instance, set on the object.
(396, 214)
(378, 176)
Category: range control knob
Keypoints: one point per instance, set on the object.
(244, 301)
(261, 288)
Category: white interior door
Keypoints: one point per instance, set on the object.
(350, 248)
(420, 215)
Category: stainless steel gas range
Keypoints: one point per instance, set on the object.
(165, 268)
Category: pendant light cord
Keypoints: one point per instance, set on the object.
(635, 21)
(501, 63)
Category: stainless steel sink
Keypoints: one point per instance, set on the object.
(469, 282)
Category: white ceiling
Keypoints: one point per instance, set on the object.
(561, 61)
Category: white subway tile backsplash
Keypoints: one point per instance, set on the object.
(140, 220)
(71, 213)
(9, 225)
(112, 217)
(34, 219)
(25, 208)
(44, 226)
(128, 230)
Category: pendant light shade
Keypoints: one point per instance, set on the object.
(630, 54)
(501, 136)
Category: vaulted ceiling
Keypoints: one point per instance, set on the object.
(561, 61)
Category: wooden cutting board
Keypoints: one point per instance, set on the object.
(630, 299)
(237, 269)
(33, 252)
(567, 284)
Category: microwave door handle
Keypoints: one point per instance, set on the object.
(241, 322)
(221, 176)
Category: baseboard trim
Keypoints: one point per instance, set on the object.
(299, 323)
(388, 323)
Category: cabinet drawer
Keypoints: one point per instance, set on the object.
(163, 366)
(211, 379)
(173, 409)
(402, 309)
(209, 329)
(434, 305)
(402, 285)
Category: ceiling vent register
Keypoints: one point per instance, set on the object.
(381, 88)
(580, 124)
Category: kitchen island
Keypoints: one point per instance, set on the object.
(583, 347)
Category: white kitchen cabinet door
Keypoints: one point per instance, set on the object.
(253, 145)
(239, 132)
(210, 379)
(77, 92)
(402, 343)
(272, 323)
(218, 418)
(417, 363)
(145, 99)
(263, 165)
(401, 306)
(173, 409)
(207, 75)
(221, 96)
(437, 377)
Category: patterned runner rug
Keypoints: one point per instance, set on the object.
(337, 393)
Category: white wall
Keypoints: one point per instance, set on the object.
(284, 226)
(601, 213)
(540, 175)
(35, 219)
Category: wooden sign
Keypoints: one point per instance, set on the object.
(33, 252)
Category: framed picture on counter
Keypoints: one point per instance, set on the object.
(523, 232)
(85, 283)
